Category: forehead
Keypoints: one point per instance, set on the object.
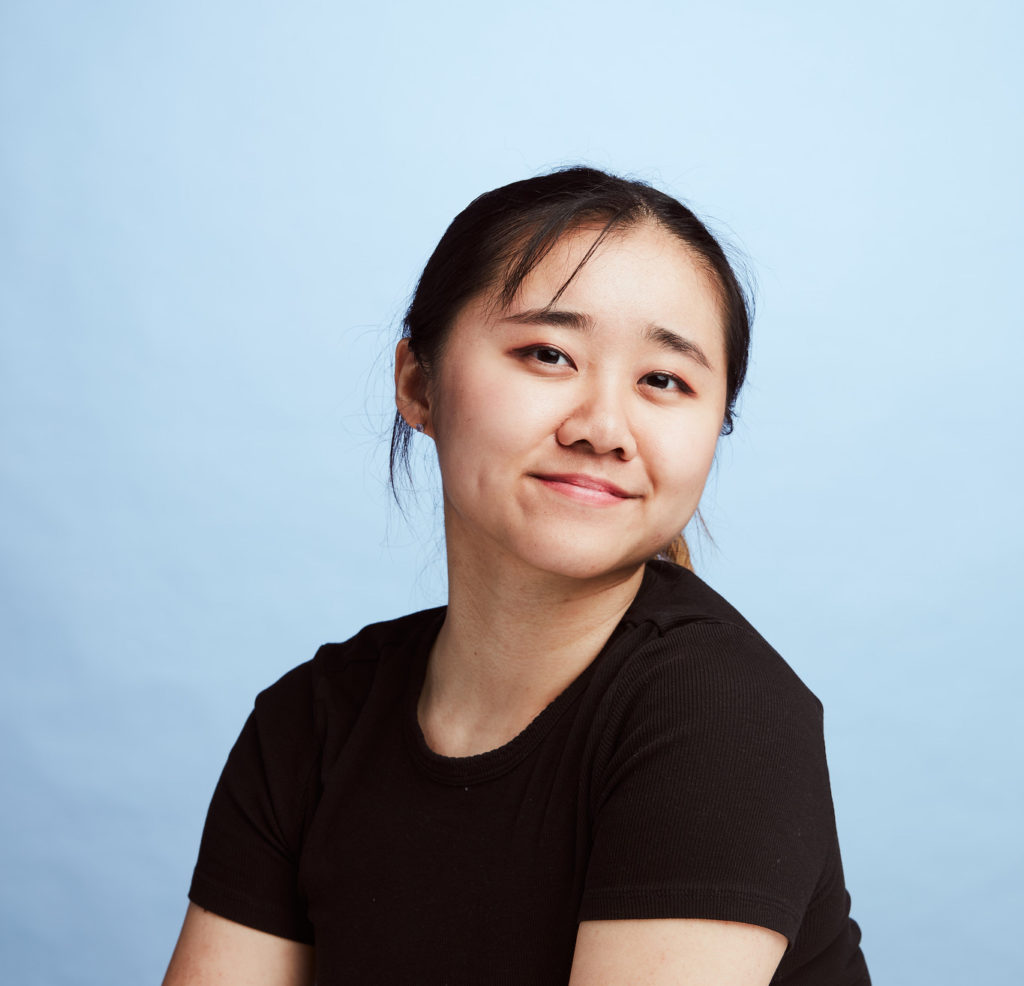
(640, 274)
(643, 245)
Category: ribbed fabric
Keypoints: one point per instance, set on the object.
(682, 775)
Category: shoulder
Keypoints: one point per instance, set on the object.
(693, 692)
(343, 667)
(691, 641)
(337, 680)
(308, 713)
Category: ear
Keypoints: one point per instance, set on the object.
(411, 391)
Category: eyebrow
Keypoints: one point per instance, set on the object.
(678, 344)
(662, 337)
(552, 316)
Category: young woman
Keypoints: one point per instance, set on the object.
(588, 768)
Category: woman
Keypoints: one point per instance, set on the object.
(588, 767)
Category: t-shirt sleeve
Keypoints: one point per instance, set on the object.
(709, 796)
(248, 863)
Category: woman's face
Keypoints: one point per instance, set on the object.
(577, 438)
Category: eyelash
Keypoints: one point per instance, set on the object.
(535, 351)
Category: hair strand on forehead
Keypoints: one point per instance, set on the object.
(534, 253)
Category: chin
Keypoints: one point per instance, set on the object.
(583, 563)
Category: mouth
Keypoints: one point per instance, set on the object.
(580, 486)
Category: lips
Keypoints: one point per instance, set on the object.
(581, 481)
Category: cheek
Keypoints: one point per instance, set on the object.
(483, 420)
(685, 459)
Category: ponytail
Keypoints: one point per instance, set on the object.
(678, 552)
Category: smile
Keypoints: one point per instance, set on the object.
(586, 489)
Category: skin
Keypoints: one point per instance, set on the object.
(212, 950)
(573, 446)
(540, 571)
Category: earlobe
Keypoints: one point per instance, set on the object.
(411, 397)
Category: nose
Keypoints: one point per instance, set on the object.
(599, 423)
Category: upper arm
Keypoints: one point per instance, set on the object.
(674, 952)
(212, 949)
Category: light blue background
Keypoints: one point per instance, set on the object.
(212, 216)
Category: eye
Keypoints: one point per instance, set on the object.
(547, 355)
(666, 381)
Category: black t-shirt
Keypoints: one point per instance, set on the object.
(681, 775)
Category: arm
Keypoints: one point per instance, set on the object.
(212, 949)
(674, 952)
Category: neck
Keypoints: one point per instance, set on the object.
(513, 639)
